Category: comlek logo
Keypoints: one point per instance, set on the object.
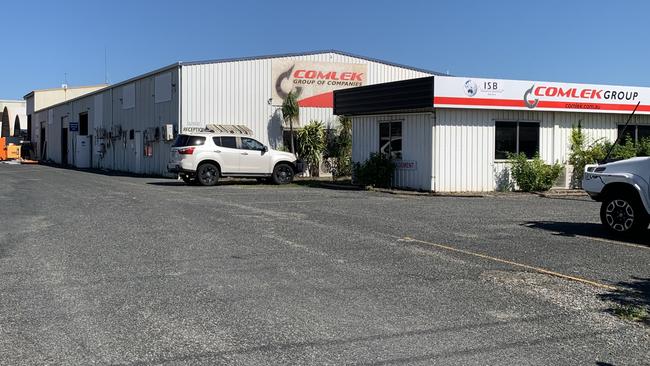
(530, 104)
(470, 88)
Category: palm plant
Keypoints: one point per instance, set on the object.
(311, 145)
(290, 111)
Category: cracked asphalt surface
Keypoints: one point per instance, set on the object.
(99, 269)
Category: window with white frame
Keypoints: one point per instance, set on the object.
(390, 139)
(516, 137)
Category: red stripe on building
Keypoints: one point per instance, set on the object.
(519, 103)
(325, 100)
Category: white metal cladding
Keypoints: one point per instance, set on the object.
(121, 153)
(464, 143)
(464, 147)
(417, 137)
(238, 92)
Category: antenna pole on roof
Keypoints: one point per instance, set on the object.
(105, 66)
(618, 138)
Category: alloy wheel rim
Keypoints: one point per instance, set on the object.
(284, 174)
(619, 215)
(208, 174)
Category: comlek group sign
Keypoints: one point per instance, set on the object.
(456, 92)
(314, 81)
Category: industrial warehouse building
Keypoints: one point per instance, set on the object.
(130, 126)
(453, 134)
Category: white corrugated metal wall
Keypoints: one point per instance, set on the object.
(458, 144)
(464, 143)
(237, 92)
(464, 147)
(120, 152)
(417, 136)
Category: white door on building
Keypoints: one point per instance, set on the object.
(139, 151)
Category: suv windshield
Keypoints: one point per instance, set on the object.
(187, 140)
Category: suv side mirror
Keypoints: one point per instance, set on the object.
(264, 149)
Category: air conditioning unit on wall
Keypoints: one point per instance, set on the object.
(168, 132)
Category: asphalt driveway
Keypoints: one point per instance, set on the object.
(99, 269)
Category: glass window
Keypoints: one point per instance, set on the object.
(506, 139)
(516, 137)
(529, 139)
(248, 143)
(634, 132)
(390, 139)
(226, 141)
(187, 140)
(643, 132)
(630, 132)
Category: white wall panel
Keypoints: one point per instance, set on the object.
(417, 137)
(106, 110)
(464, 147)
(238, 92)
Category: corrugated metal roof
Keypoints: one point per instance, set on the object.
(182, 63)
(308, 53)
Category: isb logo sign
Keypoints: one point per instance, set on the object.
(470, 88)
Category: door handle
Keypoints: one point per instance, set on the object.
(244, 153)
(217, 151)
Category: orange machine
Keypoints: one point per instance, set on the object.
(13, 151)
(10, 151)
(3, 149)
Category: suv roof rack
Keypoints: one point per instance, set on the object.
(234, 129)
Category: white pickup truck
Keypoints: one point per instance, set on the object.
(624, 189)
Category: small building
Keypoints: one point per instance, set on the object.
(40, 99)
(130, 126)
(12, 118)
(453, 134)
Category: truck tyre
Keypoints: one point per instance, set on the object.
(282, 174)
(623, 214)
(207, 174)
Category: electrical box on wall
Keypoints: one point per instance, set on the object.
(101, 133)
(150, 134)
(168, 132)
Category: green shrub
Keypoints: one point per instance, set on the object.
(311, 144)
(377, 171)
(622, 150)
(583, 153)
(339, 149)
(643, 147)
(533, 175)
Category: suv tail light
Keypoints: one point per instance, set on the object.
(186, 150)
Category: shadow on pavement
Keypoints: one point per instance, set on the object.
(589, 230)
(631, 294)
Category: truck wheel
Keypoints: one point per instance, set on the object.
(282, 174)
(207, 174)
(623, 214)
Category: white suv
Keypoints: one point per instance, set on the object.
(624, 189)
(205, 157)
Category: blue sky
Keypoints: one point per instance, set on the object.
(578, 41)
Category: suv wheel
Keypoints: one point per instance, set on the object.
(282, 174)
(623, 214)
(207, 174)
